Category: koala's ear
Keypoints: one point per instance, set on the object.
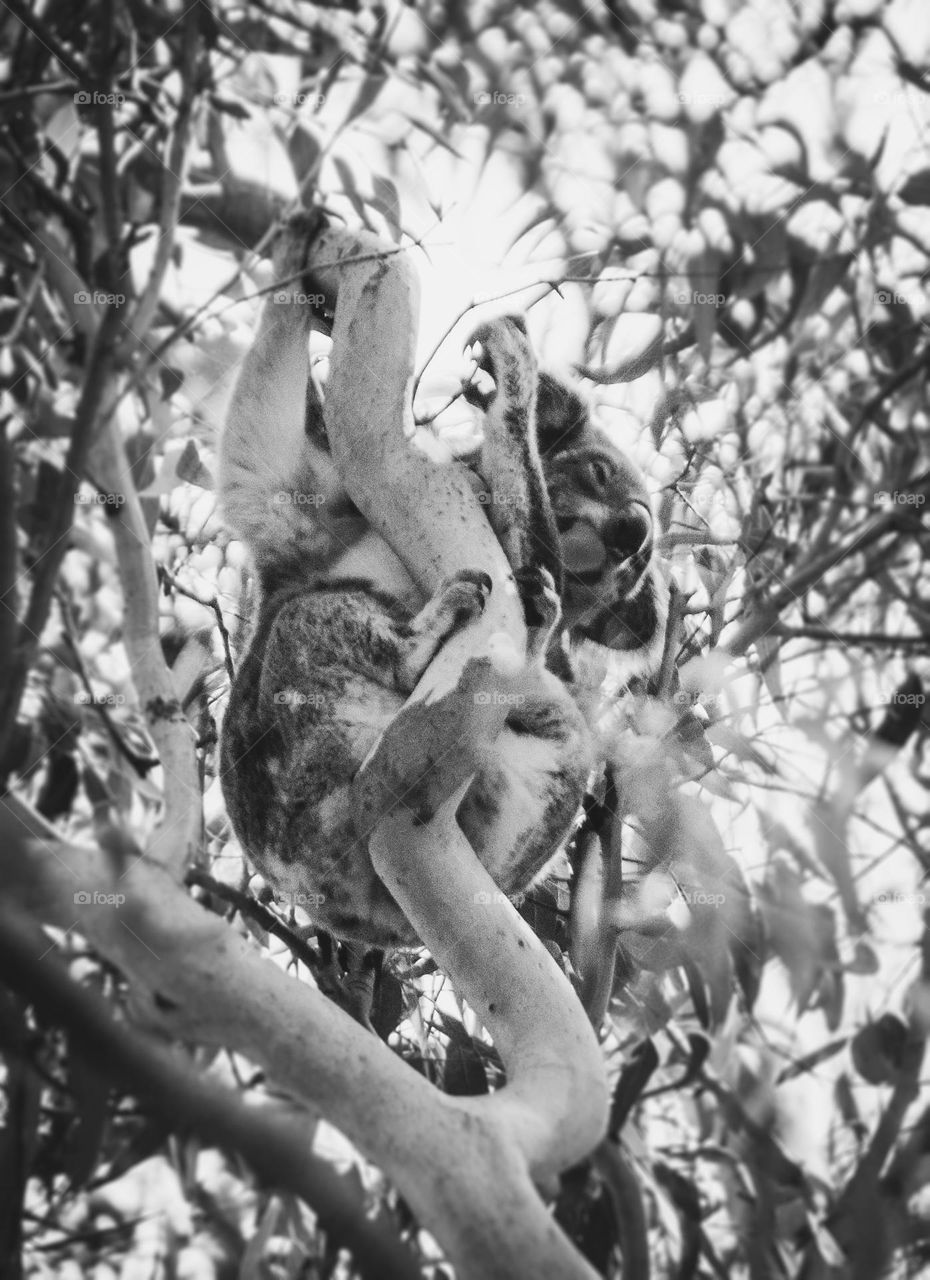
(561, 415)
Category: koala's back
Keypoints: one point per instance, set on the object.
(315, 690)
(313, 693)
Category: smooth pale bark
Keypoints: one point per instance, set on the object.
(178, 835)
(464, 1164)
(553, 1110)
(275, 1138)
(429, 514)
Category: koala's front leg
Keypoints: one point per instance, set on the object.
(460, 599)
(520, 511)
(542, 610)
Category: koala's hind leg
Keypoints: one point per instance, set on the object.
(349, 975)
(458, 600)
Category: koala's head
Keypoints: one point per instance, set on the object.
(604, 518)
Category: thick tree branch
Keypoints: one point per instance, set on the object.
(178, 834)
(428, 514)
(275, 1142)
(553, 1109)
(456, 1160)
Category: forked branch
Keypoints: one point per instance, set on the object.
(552, 1111)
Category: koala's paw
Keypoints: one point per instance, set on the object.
(498, 347)
(459, 600)
(542, 609)
(463, 596)
(292, 251)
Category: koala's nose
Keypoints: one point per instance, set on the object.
(582, 548)
(629, 532)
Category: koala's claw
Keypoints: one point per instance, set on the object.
(292, 250)
(459, 600)
(494, 339)
(465, 594)
(479, 394)
(542, 608)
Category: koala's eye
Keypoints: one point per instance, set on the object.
(599, 472)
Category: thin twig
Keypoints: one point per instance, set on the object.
(547, 285)
(864, 640)
(172, 175)
(246, 905)
(9, 593)
(141, 764)
(61, 513)
(761, 620)
(213, 604)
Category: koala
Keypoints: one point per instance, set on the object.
(335, 654)
(275, 451)
(613, 591)
(602, 550)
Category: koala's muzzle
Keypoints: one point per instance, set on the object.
(629, 533)
(601, 540)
